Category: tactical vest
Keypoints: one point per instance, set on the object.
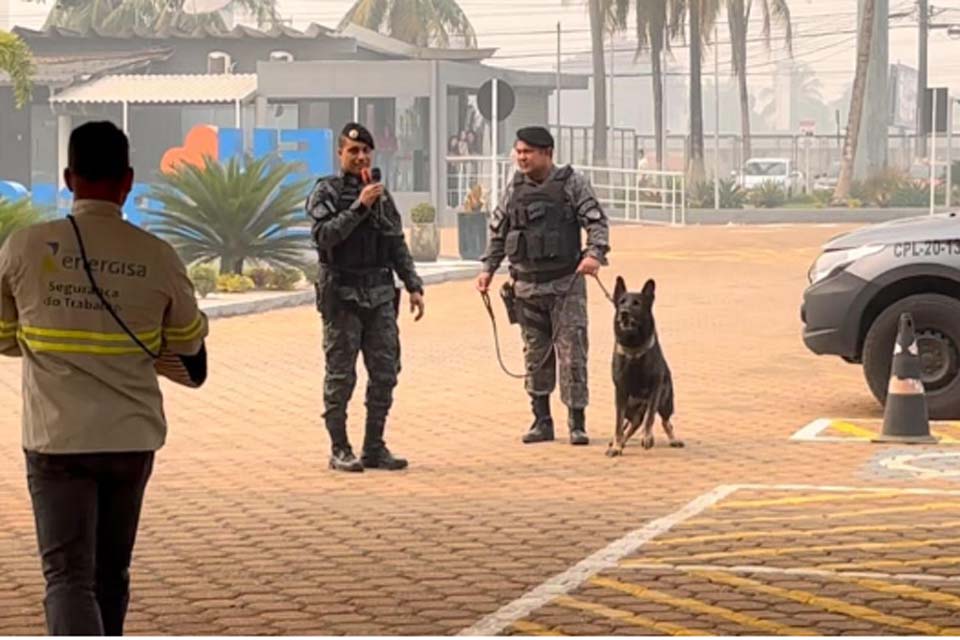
(544, 238)
(366, 248)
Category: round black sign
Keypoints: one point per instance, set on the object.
(506, 100)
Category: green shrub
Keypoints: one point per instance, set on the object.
(701, 195)
(234, 283)
(261, 276)
(881, 188)
(423, 213)
(802, 200)
(768, 195)
(913, 193)
(204, 278)
(732, 196)
(284, 278)
(822, 197)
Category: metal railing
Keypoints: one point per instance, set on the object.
(625, 194)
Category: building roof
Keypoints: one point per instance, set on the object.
(61, 70)
(379, 43)
(201, 32)
(360, 38)
(162, 89)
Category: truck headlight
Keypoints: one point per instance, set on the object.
(832, 262)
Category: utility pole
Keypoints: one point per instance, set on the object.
(922, 106)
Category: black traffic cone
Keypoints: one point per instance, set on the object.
(905, 417)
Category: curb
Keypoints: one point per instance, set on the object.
(303, 298)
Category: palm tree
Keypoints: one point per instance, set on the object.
(702, 14)
(598, 28)
(16, 215)
(17, 61)
(238, 211)
(738, 18)
(864, 38)
(123, 16)
(422, 23)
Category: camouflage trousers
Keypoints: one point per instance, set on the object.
(544, 315)
(348, 331)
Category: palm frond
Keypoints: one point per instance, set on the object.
(17, 61)
(244, 209)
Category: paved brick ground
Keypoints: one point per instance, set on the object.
(245, 531)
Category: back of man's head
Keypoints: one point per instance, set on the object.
(99, 151)
(99, 162)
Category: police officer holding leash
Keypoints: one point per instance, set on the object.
(359, 237)
(537, 226)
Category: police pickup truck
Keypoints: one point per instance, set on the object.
(865, 279)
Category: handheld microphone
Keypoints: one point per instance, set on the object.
(371, 176)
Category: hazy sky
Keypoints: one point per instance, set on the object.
(524, 34)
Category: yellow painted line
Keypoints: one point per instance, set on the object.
(852, 429)
(947, 561)
(907, 591)
(820, 497)
(628, 617)
(697, 606)
(860, 432)
(786, 533)
(916, 508)
(743, 553)
(534, 629)
(833, 605)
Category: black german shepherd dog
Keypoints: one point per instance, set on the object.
(640, 372)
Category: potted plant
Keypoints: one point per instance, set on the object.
(472, 224)
(424, 237)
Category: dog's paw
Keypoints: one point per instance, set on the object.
(613, 452)
(677, 444)
(647, 442)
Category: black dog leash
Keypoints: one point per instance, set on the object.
(556, 332)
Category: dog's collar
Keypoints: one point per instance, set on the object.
(636, 352)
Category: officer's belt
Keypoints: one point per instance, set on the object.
(542, 276)
(363, 278)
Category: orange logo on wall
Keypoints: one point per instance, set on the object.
(201, 141)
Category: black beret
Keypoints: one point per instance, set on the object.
(535, 137)
(358, 132)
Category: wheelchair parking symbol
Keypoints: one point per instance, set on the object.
(922, 466)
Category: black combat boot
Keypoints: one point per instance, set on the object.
(578, 427)
(542, 428)
(342, 459)
(375, 453)
(341, 454)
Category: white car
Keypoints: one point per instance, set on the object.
(757, 171)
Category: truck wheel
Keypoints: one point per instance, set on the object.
(937, 323)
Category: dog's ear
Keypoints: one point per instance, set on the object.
(649, 287)
(619, 290)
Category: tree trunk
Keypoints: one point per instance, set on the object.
(599, 84)
(739, 19)
(656, 50)
(842, 192)
(695, 166)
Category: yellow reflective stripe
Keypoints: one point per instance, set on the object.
(186, 334)
(8, 325)
(12, 333)
(91, 349)
(88, 335)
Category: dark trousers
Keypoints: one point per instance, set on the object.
(349, 332)
(87, 508)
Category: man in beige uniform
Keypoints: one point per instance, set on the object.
(92, 408)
